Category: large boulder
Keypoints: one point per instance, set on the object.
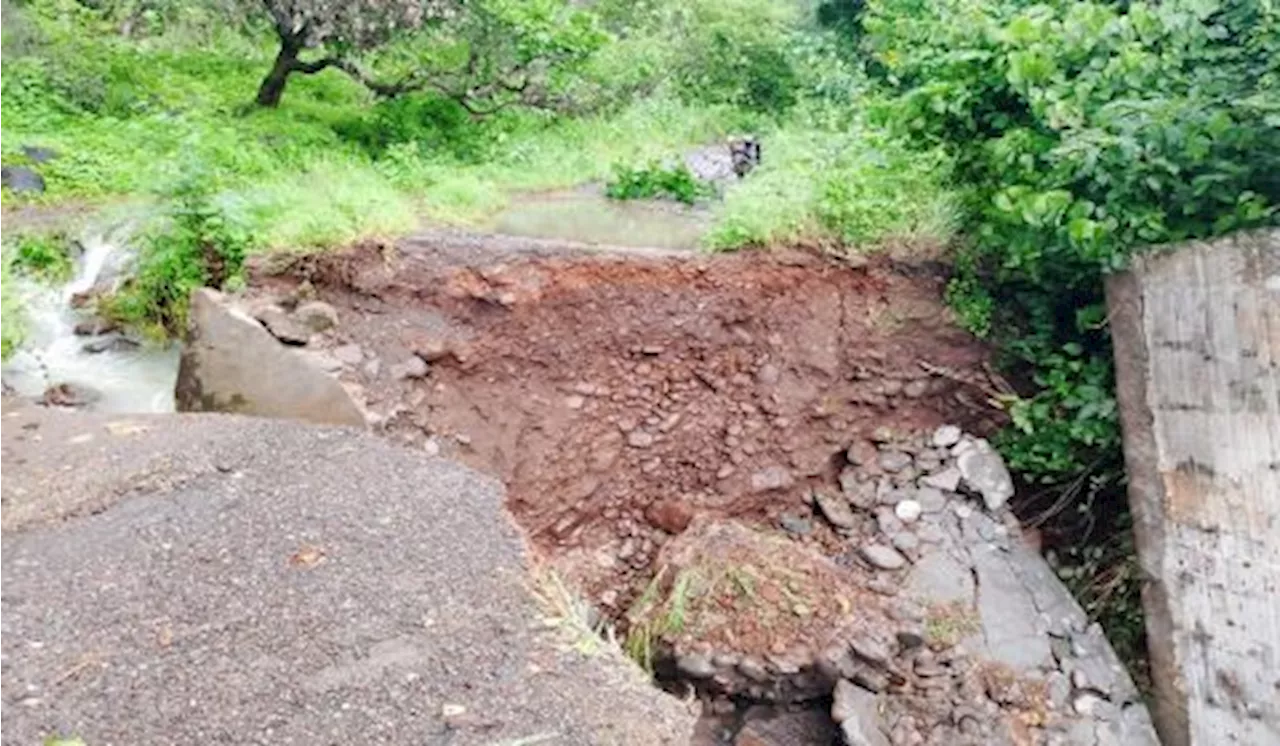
(232, 364)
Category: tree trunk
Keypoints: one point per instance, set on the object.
(272, 87)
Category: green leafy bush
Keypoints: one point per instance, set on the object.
(655, 180)
(1081, 131)
(45, 256)
(197, 244)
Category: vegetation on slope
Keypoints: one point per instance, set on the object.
(1080, 132)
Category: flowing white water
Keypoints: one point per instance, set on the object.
(137, 379)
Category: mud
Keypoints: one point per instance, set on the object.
(620, 397)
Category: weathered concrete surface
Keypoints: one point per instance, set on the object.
(275, 583)
(1197, 341)
(232, 364)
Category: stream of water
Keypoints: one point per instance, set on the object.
(123, 377)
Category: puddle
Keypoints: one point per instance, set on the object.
(594, 218)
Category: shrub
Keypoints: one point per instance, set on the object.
(1081, 132)
(197, 244)
(45, 256)
(655, 180)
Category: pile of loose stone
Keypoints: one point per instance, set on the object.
(956, 632)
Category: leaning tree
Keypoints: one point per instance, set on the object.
(341, 29)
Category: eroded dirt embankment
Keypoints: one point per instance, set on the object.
(617, 397)
(766, 470)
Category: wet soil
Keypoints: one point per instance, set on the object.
(620, 396)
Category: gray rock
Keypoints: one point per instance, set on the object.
(861, 453)
(639, 439)
(947, 480)
(946, 436)
(984, 472)
(21, 180)
(894, 461)
(928, 460)
(348, 354)
(69, 395)
(857, 712)
(94, 326)
(872, 679)
(753, 669)
(908, 511)
(282, 326)
(232, 364)
(39, 154)
(915, 389)
(926, 665)
(695, 666)
(771, 478)
(883, 557)
(869, 649)
(113, 343)
(768, 374)
(412, 367)
(316, 315)
(931, 499)
(835, 509)
(860, 494)
(906, 542)
(795, 525)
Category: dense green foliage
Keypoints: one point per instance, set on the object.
(45, 256)
(655, 180)
(1081, 132)
(198, 244)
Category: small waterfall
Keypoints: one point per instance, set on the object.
(122, 376)
(98, 249)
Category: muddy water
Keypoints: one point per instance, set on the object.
(123, 378)
(590, 217)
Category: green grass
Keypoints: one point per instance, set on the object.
(851, 188)
(562, 154)
(45, 256)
